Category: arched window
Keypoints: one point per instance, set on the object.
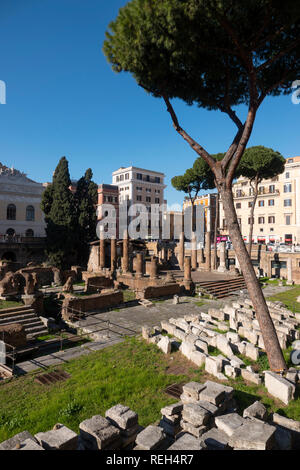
(29, 213)
(11, 212)
(10, 232)
(29, 233)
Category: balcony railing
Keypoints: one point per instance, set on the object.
(20, 239)
(265, 192)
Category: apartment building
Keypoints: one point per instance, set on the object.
(277, 210)
(144, 188)
(209, 202)
(108, 194)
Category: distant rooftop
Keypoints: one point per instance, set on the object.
(122, 168)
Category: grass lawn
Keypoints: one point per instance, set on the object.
(133, 373)
(289, 298)
(10, 304)
(129, 295)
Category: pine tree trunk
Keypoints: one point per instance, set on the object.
(252, 219)
(272, 347)
(215, 230)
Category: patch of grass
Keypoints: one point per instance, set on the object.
(129, 295)
(81, 284)
(289, 298)
(214, 351)
(10, 304)
(199, 304)
(131, 373)
(222, 332)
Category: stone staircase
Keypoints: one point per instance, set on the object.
(25, 316)
(222, 289)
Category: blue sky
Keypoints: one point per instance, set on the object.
(64, 99)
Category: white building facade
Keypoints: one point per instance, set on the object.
(142, 188)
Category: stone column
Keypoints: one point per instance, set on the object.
(207, 251)
(153, 268)
(201, 254)
(289, 271)
(187, 269)
(125, 258)
(139, 262)
(222, 267)
(237, 264)
(102, 252)
(194, 252)
(113, 254)
(181, 251)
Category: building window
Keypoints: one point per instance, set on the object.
(29, 233)
(238, 205)
(29, 213)
(157, 190)
(148, 190)
(287, 176)
(157, 200)
(261, 220)
(272, 188)
(261, 190)
(290, 160)
(139, 176)
(271, 230)
(127, 176)
(251, 219)
(261, 203)
(239, 193)
(251, 191)
(10, 232)
(121, 177)
(157, 179)
(271, 202)
(271, 219)
(148, 199)
(139, 198)
(147, 178)
(11, 212)
(287, 220)
(250, 204)
(287, 202)
(287, 188)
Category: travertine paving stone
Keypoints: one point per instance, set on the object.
(60, 438)
(253, 435)
(150, 438)
(215, 439)
(195, 414)
(98, 433)
(187, 442)
(229, 423)
(256, 410)
(121, 416)
(11, 443)
(279, 387)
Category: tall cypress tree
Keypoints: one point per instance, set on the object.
(58, 206)
(86, 216)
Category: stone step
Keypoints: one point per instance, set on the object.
(18, 317)
(21, 321)
(15, 314)
(36, 334)
(35, 328)
(26, 323)
(15, 310)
